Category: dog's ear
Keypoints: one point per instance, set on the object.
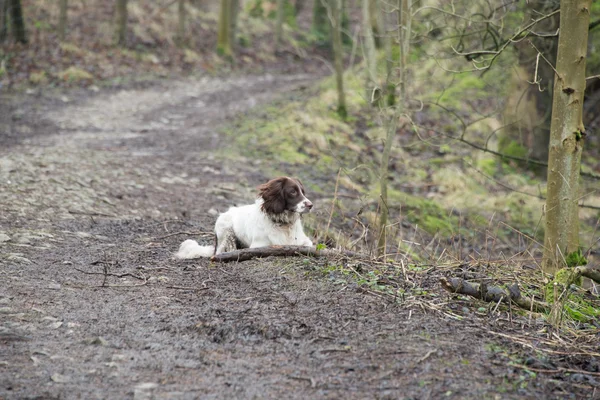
(273, 196)
(300, 184)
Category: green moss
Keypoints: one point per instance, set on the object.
(576, 259)
(488, 166)
(75, 75)
(511, 147)
(427, 214)
(38, 78)
(576, 307)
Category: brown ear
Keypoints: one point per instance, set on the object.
(300, 183)
(272, 195)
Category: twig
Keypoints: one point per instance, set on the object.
(183, 233)
(187, 288)
(90, 213)
(106, 273)
(304, 378)
(557, 370)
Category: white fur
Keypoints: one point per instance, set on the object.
(252, 227)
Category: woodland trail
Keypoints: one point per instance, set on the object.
(96, 192)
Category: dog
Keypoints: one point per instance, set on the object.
(274, 219)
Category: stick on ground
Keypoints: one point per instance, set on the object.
(493, 293)
(282, 251)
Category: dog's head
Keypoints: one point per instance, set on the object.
(284, 194)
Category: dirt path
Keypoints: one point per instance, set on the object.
(92, 204)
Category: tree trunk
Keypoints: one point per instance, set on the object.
(566, 135)
(121, 22)
(336, 17)
(372, 90)
(224, 47)
(235, 8)
(3, 19)
(374, 21)
(62, 19)
(279, 26)
(17, 22)
(404, 30)
(298, 7)
(181, 22)
(390, 88)
(320, 24)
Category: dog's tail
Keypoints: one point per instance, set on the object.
(191, 249)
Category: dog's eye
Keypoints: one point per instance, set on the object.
(293, 193)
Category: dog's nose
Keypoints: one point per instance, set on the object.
(308, 204)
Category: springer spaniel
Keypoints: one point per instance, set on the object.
(274, 219)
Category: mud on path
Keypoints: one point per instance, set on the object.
(94, 201)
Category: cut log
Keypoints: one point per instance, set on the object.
(588, 272)
(484, 292)
(283, 251)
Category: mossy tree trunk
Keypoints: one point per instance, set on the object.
(374, 9)
(224, 40)
(62, 19)
(372, 88)
(404, 32)
(17, 22)
(338, 54)
(180, 39)
(235, 8)
(3, 20)
(566, 135)
(279, 26)
(320, 23)
(121, 22)
(390, 88)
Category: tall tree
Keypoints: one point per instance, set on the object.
(320, 24)
(121, 22)
(62, 18)
(404, 33)
(180, 22)
(224, 39)
(335, 8)
(372, 92)
(3, 20)
(17, 22)
(279, 26)
(567, 134)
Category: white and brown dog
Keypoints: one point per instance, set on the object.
(274, 219)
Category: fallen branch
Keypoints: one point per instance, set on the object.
(495, 294)
(588, 272)
(282, 251)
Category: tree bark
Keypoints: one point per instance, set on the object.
(62, 19)
(279, 26)
(17, 20)
(404, 32)
(282, 251)
(121, 22)
(493, 293)
(224, 47)
(181, 22)
(235, 8)
(320, 25)
(3, 19)
(338, 54)
(372, 91)
(566, 136)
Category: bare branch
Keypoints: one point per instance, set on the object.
(283, 251)
(494, 293)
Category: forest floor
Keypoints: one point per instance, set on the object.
(97, 191)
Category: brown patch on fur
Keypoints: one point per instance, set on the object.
(281, 194)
